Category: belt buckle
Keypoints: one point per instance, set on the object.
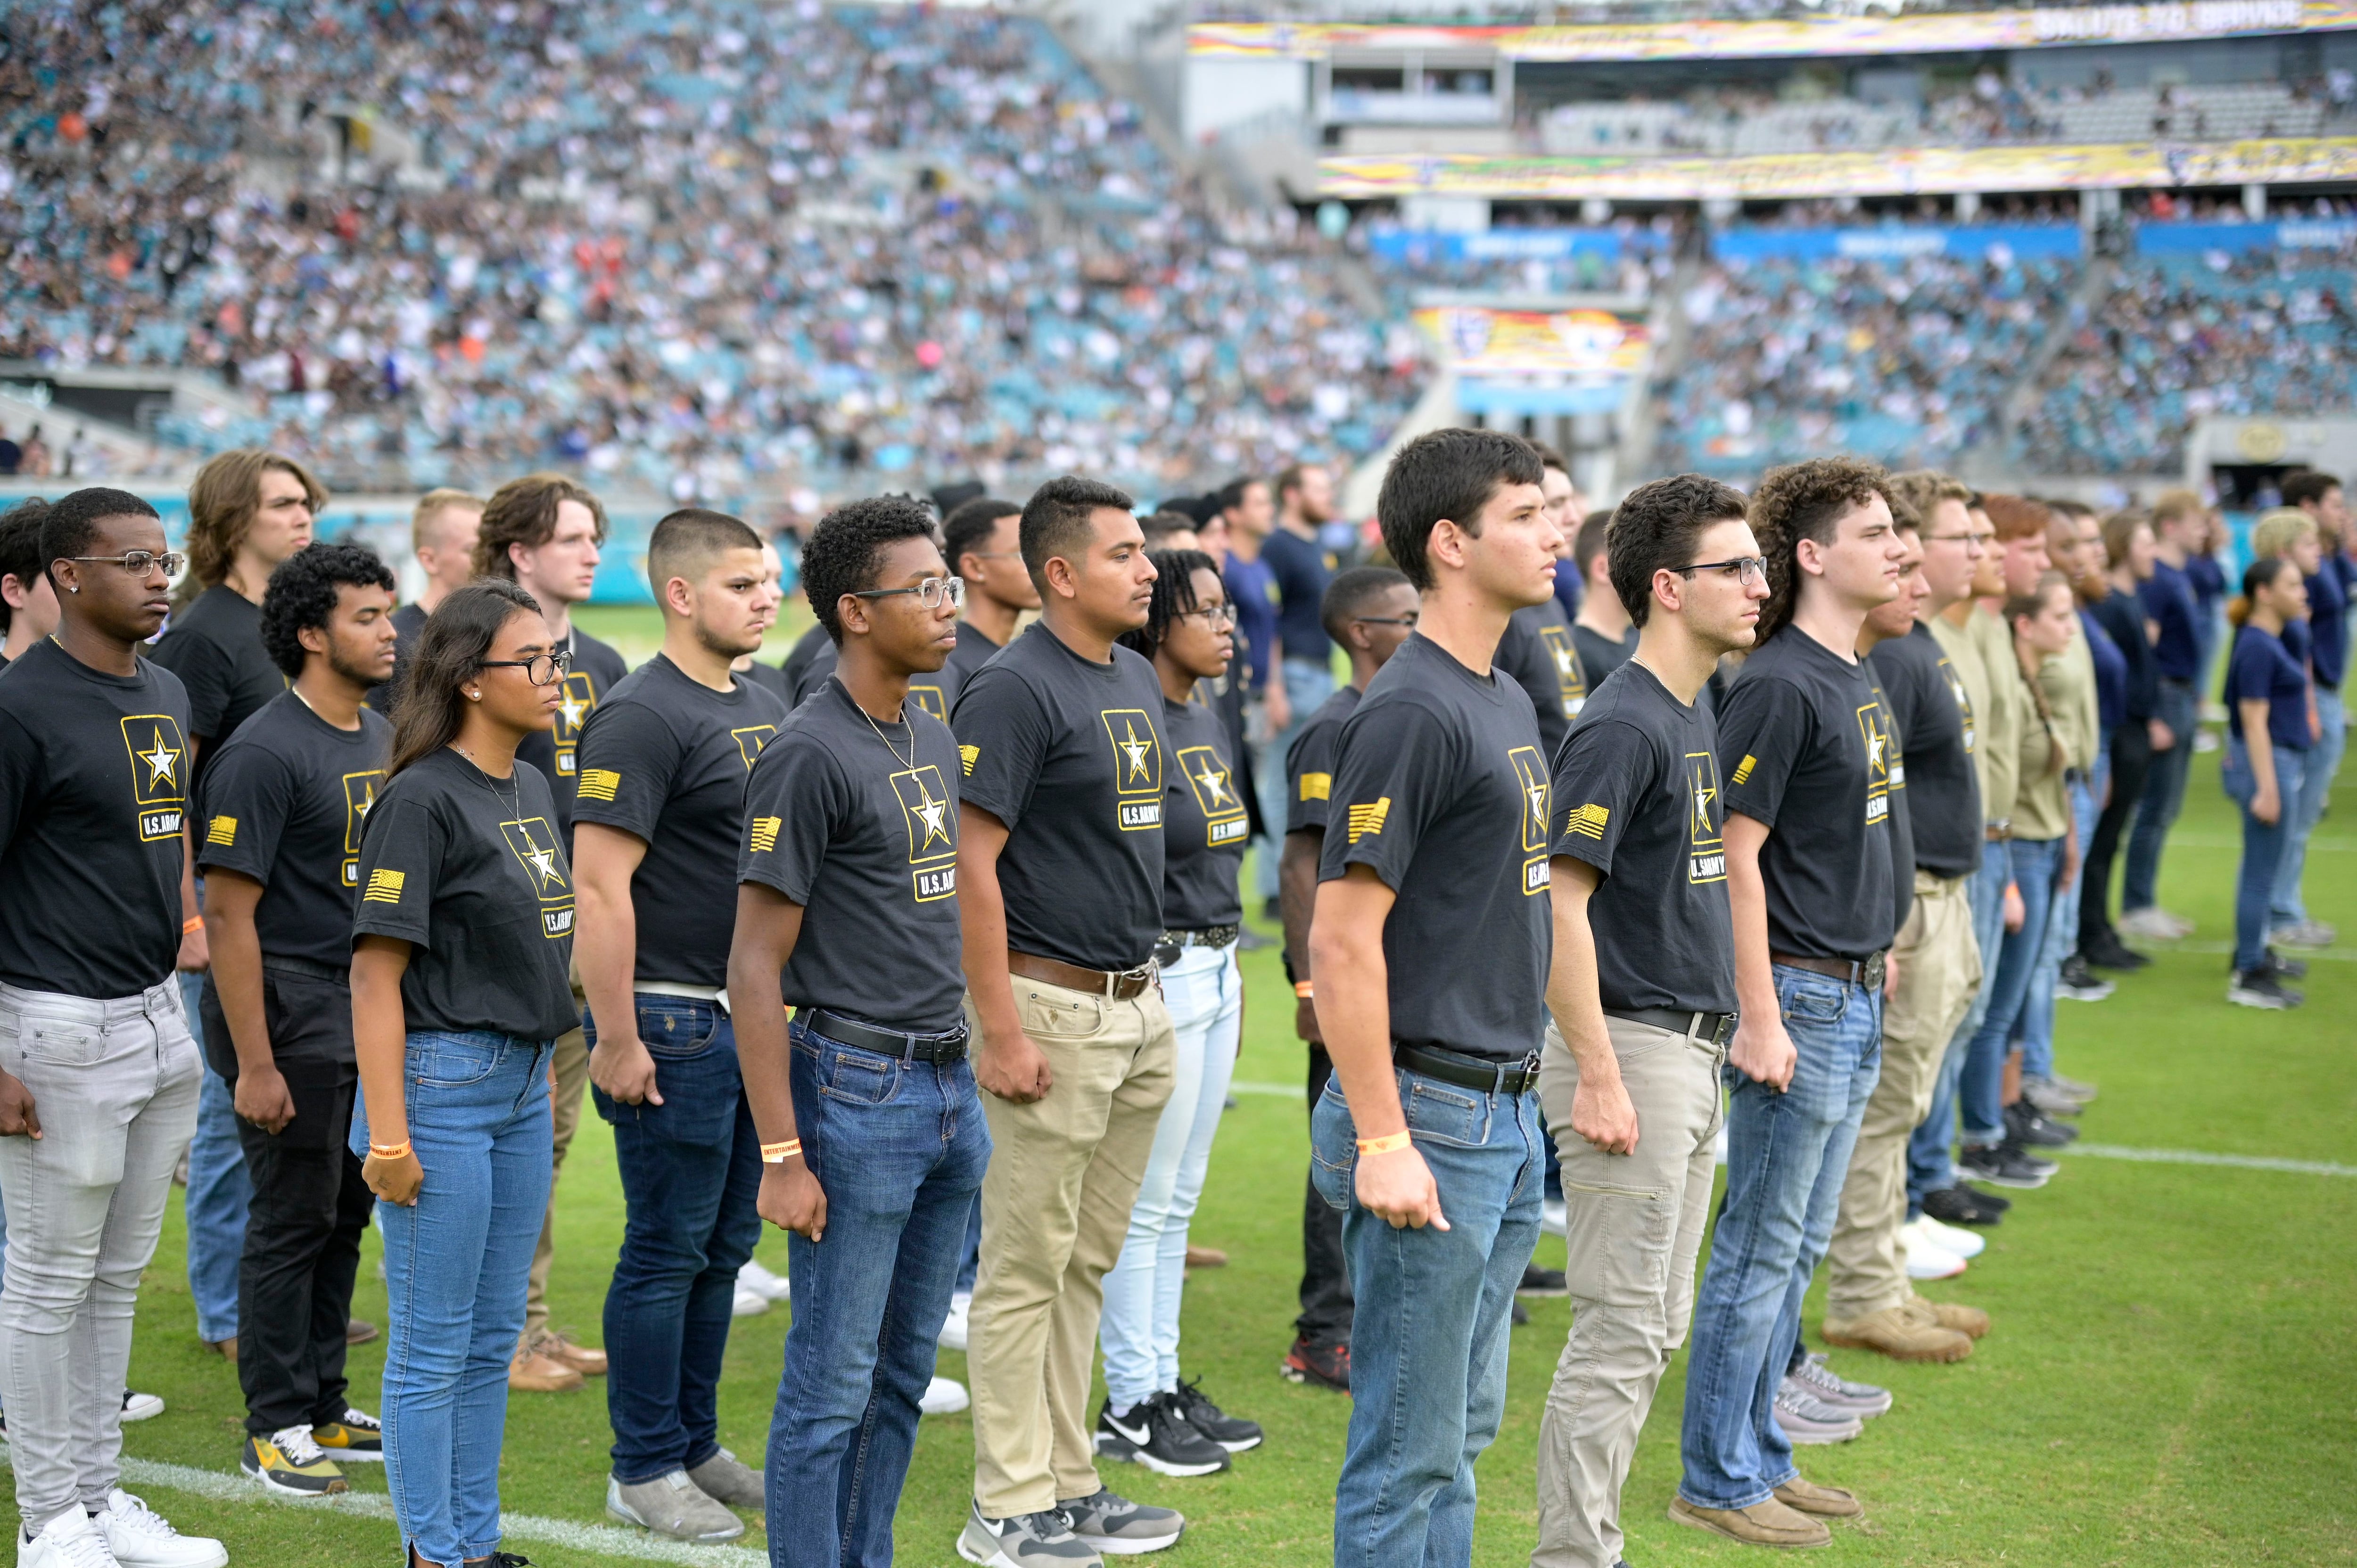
(1143, 973)
(1870, 972)
(1724, 1035)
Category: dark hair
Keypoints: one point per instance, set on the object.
(71, 523)
(524, 512)
(1230, 495)
(1592, 540)
(20, 548)
(846, 550)
(1447, 474)
(1161, 525)
(1655, 527)
(970, 526)
(303, 591)
(1174, 595)
(1802, 500)
(1290, 477)
(1056, 519)
(1550, 458)
(457, 638)
(1350, 593)
(222, 500)
(685, 541)
(2263, 573)
(2306, 486)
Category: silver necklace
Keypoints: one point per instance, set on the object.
(515, 811)
(907, 762)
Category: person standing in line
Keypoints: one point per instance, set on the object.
(2268, 742)
(2179, 524)
(98, 1070)
(1803, 752)
(2128, 546)
(662, 769)
(280, 815)
(1060, 863)
(1538, 652)
(1302, 565)
(248, 511)
(2319, 497)
(1602, 632)
(1246, 513)
(1369, 611)
(542, 533)
(28, 605)
(1568, 511)
(873, 1139)
(1428, 951)
(770, 677)
(461, 943)
(1640, 994)
(442, 530)
(1149, 1416)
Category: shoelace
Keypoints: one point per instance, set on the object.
(136, 1514)
(295, 1443)
(1789, 1402)
(88, 1549)
(361, 1421)
(1817, 1375)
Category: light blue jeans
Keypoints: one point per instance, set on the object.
(2034, 1025)
(1428, 1340)
(1204, 991)
(1931, 1152)
(456, 1263)
(1307, 683)
(1787, 1156)
(2323, 761)
(2263, 845)
(219, 1191)
(2011, 986)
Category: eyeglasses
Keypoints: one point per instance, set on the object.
(930, 592)
(541, 668)
(1214, 615)
(1747, 568)
(1408, 620)
(139, 563)
(1956, 538)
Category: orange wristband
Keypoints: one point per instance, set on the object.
(1390, 1143)
(1301, 989)
(779, 1153)
(389, 1151)
(193, 923)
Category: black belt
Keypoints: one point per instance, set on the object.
(1865, 972)
(947, 1046)
(309, 968)
(1468, 1071)
(1709, 1029)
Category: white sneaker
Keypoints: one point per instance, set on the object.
(753, 1276)
(750, 1302)
(141, 1407)
(69, 1541)
(141, 1538)
(954, 1326)
(944, 1396)
(1552, 1213)
(2154, 924)
(1954, 1238)
(1926, 1260)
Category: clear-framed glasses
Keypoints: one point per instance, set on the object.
(139, 563)
(930, 592)
(1746, 568)
(1214, 615)
(541, 668)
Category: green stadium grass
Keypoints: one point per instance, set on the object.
(2168, 1380)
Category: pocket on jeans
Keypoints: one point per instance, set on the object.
(1802, 1002)
(1444, 1113)
(57, 1043)
(1617, 1241)
(676, 1027)
(450, 1061)
(1075, 1016)
(1333, 1149)
(851, 1076)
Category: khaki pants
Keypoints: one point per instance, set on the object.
(571, 1069)
(1064, 1171)
(1633, 1225)
(1939, 963)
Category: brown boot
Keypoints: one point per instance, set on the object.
(225, 1349)
(588, 1360)
(358, 1331)
(1898, 1333)
(534, 1373)
(1205, 1256)
(1768, 1523)
(1969, 1321)
(1825, 1502)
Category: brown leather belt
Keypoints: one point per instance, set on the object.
(1119, 986)
(1865, 972)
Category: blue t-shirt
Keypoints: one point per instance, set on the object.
(2209, 580)
(1302, 572)
(2111, 673)
(2167, 597)
(1252, 589)
(2263, 668)
(2328, 624)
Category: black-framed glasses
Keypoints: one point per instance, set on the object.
(139, 563)
(1214, 615)
(930, 592)
(541, 668)
(1747, 568)
(1407, 620)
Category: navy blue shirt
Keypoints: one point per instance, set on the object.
(1252, 589)
(1302, 570)
(2328, 625)
(2263, 668)
(2209, 580)
(2167, 597)
(2123, 615)
(2111, 673)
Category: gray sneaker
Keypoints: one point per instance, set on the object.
(672, 1506)
(1024, 1540)
(2303, 934)
(1119, 1528)
(726, 1479)
(1821, 1382)
(1806, 1421)
(2048, 1099)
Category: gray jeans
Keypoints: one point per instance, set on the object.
(114, 1086)
(1633, 1224)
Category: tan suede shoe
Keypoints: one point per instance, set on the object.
(588, 1360)
(1899, 1333)
(1768, 1523)
(534, 1373)
(1969, 1321)
(1825, 1502)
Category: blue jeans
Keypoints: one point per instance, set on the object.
(1428, 1340)
(1307, 683)
(1204, 991)
(2263, 845)
(2318, 768)
(455, 1267)
(1787, 1155)
(219, 1191)
(691, 1170)
(1931, 1156)
(971, 1265)
(2034, 1025)
(2010, 986)
(899, 1148)
(2164, 797)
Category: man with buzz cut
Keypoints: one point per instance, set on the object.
(1429, 951)
(1641, 993)
(1059, 894)
(442, 530)
(1804, 754)
(656, 827)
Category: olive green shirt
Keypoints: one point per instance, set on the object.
(1995, 728)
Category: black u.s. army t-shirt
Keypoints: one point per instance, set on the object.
(1934, 716)
(1538, 652)
(471, 872)
(1600, 655)
(214, 646)
(93, 778)
(934, 691)
(1902, 836)
(596, 670)
(665, 758)
(1309, 763)
(1637, 796)
(1440, 785)
(859, 826)
(1204, 822)
(1068, 754)
(285, 803)
(1803, 747)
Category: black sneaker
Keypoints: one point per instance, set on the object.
(1230, 1432)
(1521, 1314)
(1155, 1435)
(2004, 1166)
(1995, 1202)
(2072, 980)
(1538, 1281)
(2107, 951)
(1958, 1206)
(2024, 1126)
(1324, 1362)
(2285, 968)
(2262, 988)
